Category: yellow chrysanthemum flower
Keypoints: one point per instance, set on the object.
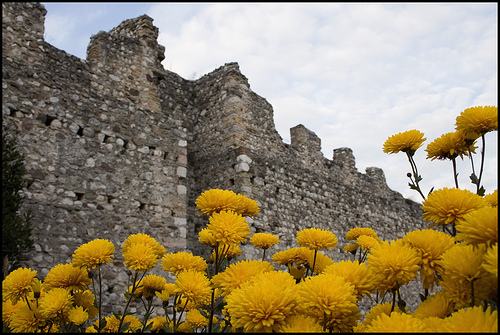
(430, 244)
(449, 146)
(264, 240)
(396, 322)
(458, 292)
(380, 309)
(480, 120)
(238, 273)
(185, 327)
(248, 207)
(297, 272)
(351, 247)
(67, 276)
(355, 273)
(408, 141)
(206, 237)
(296, 255)
(151, 284)
(367, 242)
(472, 320)
(492, 198)
(448, 205)
(158, 249)
(479, 226)
(319, 263)
(181, 261)
(316, 239)
(17, 284)
(26, 320)
(490, 263)
(356, 232)
(300, 323)
(331, 296)
(93, 253)
(164, 295)
(8, 309)
(194, 285)
(140, 257)
(228, 227)
(158, 323)
(195, 318)
(86, 300)
(56, 304)
(263, 303)
(436, 305)
(463, 262)
(78, 315)
(216, 200)
(226, 251)
(393, 264)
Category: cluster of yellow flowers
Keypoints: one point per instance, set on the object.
(314, 293)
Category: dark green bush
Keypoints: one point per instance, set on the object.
(16, 227)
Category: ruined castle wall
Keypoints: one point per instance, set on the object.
(103, 159)
(116, 145)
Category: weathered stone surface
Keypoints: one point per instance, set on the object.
(117, 145)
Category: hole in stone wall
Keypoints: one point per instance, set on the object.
(105, 139)
(49, 120)
(231, 182)
(252, 179)
(143, 206)
(277, 190)
(165, 155)
(12, 111)
(80, 131)
(125, 142)
(80, 196)
(151, 150)
(109, 198)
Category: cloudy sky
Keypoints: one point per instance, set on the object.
(354, 73)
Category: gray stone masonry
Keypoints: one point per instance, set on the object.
(116, 145)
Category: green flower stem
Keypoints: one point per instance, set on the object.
(314, 262)
(176, 324)
(455, 174)
(415, 174)
(218, 263)
(210, 320)
(149, 310)
(472, 292)
(264, 254)
(393, 300)
(174, 314)
(478, 186)
(100, 297)
(129, 300)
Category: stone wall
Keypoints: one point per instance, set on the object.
(116, 145)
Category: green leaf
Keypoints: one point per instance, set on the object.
(149, 326)
(432, 189)
(124, 327)
(102, 324)
(473, 179)
(203, 312)
(481, 191)
(216, 327)
(412, 186)
(402, 305)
